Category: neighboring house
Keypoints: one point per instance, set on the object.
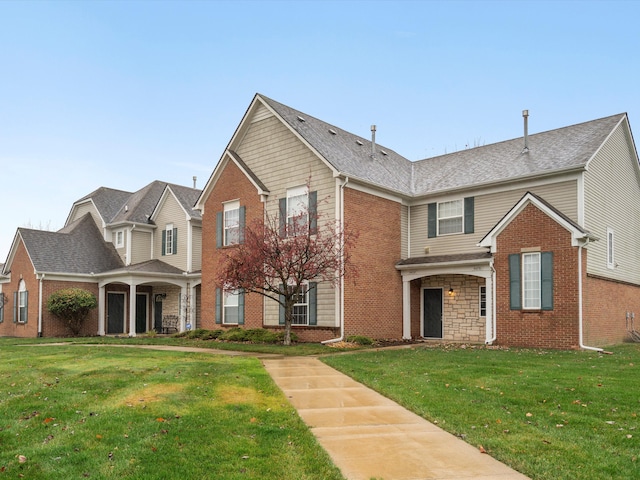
(139, 253)
(529, 242)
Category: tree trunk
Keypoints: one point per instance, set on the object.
(288, 320)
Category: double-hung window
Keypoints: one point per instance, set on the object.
(231, 223)
(531, 281)
(170, 240)
(298, 211)
(120, 239)
(21, 303)
(450, 216)
(611, 260)
(304, 307)
(229, 307)
(483, 301)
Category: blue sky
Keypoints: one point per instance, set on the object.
(121, 93)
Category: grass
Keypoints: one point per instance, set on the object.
(292, 350)
(548, 414)
(83, 412)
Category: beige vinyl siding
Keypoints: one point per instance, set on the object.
(612, 199)
(171, 212)
(282, 161)
(489, 209)
(261, 113)
(140, 246)
(81, 210)
(197, 248)
(404, 231)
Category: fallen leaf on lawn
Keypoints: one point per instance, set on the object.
(245, 457)
(629, 436)
(529, 414)
(48, 420)
(98, 436)
(481, 448)
(160, 419)
(253, 420)
(22, 458)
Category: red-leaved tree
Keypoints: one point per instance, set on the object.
(279, 255)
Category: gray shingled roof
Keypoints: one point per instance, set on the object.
(560, 149)
(555, 150)
(107, 200)
(150, 266)
(81, 250)
(117, 206)
(349, 153)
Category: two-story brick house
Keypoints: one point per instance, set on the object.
(138, 252)
(531, 241)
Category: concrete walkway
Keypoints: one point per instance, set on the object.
(369, 436)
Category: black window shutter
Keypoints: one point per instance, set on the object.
(219, 230)
(468, 214)
(241, 223)
(313, 303)
(15, 307)
(281, 309)
(218, 305)
(515, 291)
(313, 211)
(174, 243)
(241, 307)
(432, 220)
(164, 242)
(283, 216)
(546, 274)
(26, 307)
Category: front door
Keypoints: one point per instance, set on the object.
(432, 312)
(115, 312)
(157, 318)
(141, 313)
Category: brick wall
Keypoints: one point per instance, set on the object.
(55, 327)
(231, 185)
(606, 303)
(557, 328)
(373, 300)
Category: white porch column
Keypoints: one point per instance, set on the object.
(101, 310)
(406, 309)
(184, 304)
(192, 304)
(132, 309)
(489, 333)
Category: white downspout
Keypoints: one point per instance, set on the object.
(580, 329)
(341, 283)
(494, 323)
(41, 279)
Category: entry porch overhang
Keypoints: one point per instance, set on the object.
(478, 264)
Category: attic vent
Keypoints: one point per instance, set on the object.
(384, 153)
(332, 131)
(359, 142)
(300, 119)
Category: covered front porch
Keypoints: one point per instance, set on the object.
(448, 297)
(152, 296)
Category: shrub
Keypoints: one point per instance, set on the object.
(359, 340)
(72, 305)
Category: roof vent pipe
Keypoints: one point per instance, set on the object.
(525, 115)
(195, 179)
(373, 140)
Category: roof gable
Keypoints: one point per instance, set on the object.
(107, 201)
(185, 197)
(79, 249)
(578, 234)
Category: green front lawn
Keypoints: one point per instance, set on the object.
(84, 412)
(548, 414)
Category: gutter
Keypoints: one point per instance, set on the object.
(341, 337)
(494, 322)
(40, 282)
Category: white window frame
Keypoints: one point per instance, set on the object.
(22, 303)
(230, 300)
(482, 300)
(531, 281)
(300, 314)
(119, 243)
(441, 217)
(611, 252)
(297, 203)
(231, 223)
(168, 239)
